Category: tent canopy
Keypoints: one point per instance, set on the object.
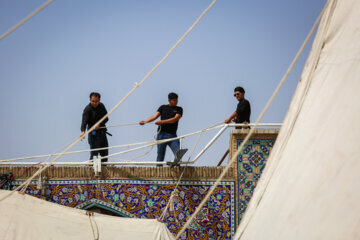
(27, 217)
(310, 186)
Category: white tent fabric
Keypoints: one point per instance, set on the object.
(27, 217)
(310, 186)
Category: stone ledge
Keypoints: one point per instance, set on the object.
(258, 133)
(136, 173)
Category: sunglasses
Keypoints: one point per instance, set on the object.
(237, 94)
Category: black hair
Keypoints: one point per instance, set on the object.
(239, 89)
(172, 95)
(95, 94)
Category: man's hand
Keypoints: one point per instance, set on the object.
(228, 120)
(97, 127)
(142, 122)
(159, 122)
(82, 135)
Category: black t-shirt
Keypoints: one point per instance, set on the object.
(166, 112)
(243, 111)
(93, 115)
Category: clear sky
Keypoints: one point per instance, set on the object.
(49, 66)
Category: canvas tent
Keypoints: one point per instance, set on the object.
(27, 217)
(310, 186)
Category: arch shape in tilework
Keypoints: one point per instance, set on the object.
(148, 199)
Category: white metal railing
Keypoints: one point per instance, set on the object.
(222, 127)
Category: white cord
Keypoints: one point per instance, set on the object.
(25, 19)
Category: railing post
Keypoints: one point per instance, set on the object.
(97, 165)
(209, 144)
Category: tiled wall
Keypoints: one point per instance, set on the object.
(148, 199)
(250, 164)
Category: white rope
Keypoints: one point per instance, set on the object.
(136, 85)
(27, 183)
(74, 152)
(233, 159)
(171, 199)
(25, 19)
(123, 125)
(93, 224)
(198, 139)
(172, 196)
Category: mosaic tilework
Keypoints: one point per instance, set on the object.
(251, 163)
(148, 199)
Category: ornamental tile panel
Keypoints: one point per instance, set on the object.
(250, 164)
(148, 199)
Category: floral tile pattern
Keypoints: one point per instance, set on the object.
(148, 199)
(250, 165)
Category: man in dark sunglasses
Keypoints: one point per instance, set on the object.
(243, 110)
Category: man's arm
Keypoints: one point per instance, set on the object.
(105, 112)
(231, 118)
(84, 121)
(170, 120)
(150, 119)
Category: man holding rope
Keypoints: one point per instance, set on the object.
(170, 115)
(93, 112)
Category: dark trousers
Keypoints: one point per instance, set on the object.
(161, 148)
(98, 139)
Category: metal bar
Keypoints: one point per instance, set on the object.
(7, 162)
(159, 142)
(253, 124)
(150, 143)
(208, 145)
(135, 163)
(223, 158)
(45, 163)
(85, 163)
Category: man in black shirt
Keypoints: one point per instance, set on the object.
(243, 110)
(168, 124)
(93, 112)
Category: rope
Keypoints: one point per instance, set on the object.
(147, 152)
(172, 196)
(93, 224)
(24, 169)
(251, 130)
(122, 125)
(198, 139)
(74, 152)
(25, 19)
(11, 176)
(175, 191)
(26, 184)
(136, 85)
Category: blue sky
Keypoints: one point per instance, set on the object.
(49, 66)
